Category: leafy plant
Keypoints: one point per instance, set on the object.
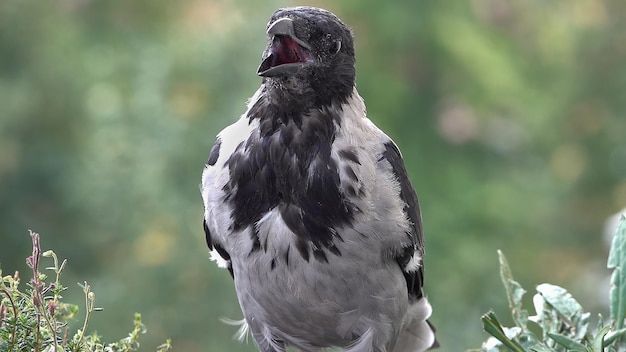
(35, 319)
(562, 320)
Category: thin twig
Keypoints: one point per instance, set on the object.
(89, 309)
(14, 316)
(33, 263)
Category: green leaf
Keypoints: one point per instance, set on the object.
(561, 300)
(568, 343)
(599, 341)
(542, 348)
(611, 336)
(600, 325)
(514, 293)
(492, 326)
(617, 261)
(569, 310)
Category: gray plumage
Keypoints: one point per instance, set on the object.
(308, 204)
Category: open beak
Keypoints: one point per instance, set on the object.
(287, 52)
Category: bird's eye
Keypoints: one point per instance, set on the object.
(334, 45)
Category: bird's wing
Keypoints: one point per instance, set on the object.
(217, 214)
(218, 253)
(410, 258)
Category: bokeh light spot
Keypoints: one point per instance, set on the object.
(568, 162)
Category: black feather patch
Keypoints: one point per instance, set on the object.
(220, 250)
(350, 173)
(287, 165)
(303, 248)
(215, 153)
(320, 255)
(415, 280)
(350, 155)
(207, 234)
(256, 242)
(286, 256)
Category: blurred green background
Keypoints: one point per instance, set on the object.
(510, 115)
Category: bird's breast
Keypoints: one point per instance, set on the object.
(290, 170)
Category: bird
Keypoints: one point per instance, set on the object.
(308, 204)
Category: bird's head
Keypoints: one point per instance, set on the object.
(310, 53)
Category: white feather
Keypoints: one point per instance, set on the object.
(363, 343)
(413, 264)
(242, 333)
(417, 334)
(217, 258)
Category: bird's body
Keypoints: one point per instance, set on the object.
(308, 205)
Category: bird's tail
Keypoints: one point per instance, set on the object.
(418, 334)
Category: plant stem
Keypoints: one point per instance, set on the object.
(14, 316)
(89, 308)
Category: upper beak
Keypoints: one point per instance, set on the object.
(271, 66)
(284, 26)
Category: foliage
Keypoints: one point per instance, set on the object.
(564, 325)
(35, 319)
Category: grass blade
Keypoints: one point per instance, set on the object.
(514, 293)
(617, 261)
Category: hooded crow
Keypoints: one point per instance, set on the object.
(309, 206)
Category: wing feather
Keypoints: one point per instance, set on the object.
(411, 258)
(218, 253)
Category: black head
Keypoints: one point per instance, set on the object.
(310, 56)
